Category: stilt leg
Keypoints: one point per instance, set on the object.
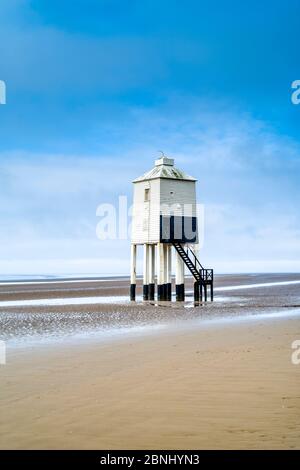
(179, 278)
(165, 272)
(146, 273)
(133, 273)
(161, 272)
(151, 272)
(169, 280)
(196, 291)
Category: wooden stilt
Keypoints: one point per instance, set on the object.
(196, 291)
(146, 272)
(133, 273)
(151, 272)
(179, 278)
(160, 271)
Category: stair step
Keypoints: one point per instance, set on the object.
(189, 263)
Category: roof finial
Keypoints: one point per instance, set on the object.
(164, 160)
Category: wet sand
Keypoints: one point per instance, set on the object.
(152, 376)
(12, 290)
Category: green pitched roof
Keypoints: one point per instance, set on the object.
(164, 168)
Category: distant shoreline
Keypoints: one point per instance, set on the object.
(30, 278)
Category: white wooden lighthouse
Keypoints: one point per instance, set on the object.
(165, 220)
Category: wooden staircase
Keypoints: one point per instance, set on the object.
(203, 277)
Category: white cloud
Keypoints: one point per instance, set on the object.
(248, 181)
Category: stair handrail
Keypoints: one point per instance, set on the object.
(196, 259)
(205, 274)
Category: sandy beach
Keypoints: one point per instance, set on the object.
(172, 376)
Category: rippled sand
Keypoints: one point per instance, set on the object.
(146, 375)
(111, 312)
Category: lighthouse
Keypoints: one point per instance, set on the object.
(165, 223)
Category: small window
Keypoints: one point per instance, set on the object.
(147, 191)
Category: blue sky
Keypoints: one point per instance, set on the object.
(96, 87)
